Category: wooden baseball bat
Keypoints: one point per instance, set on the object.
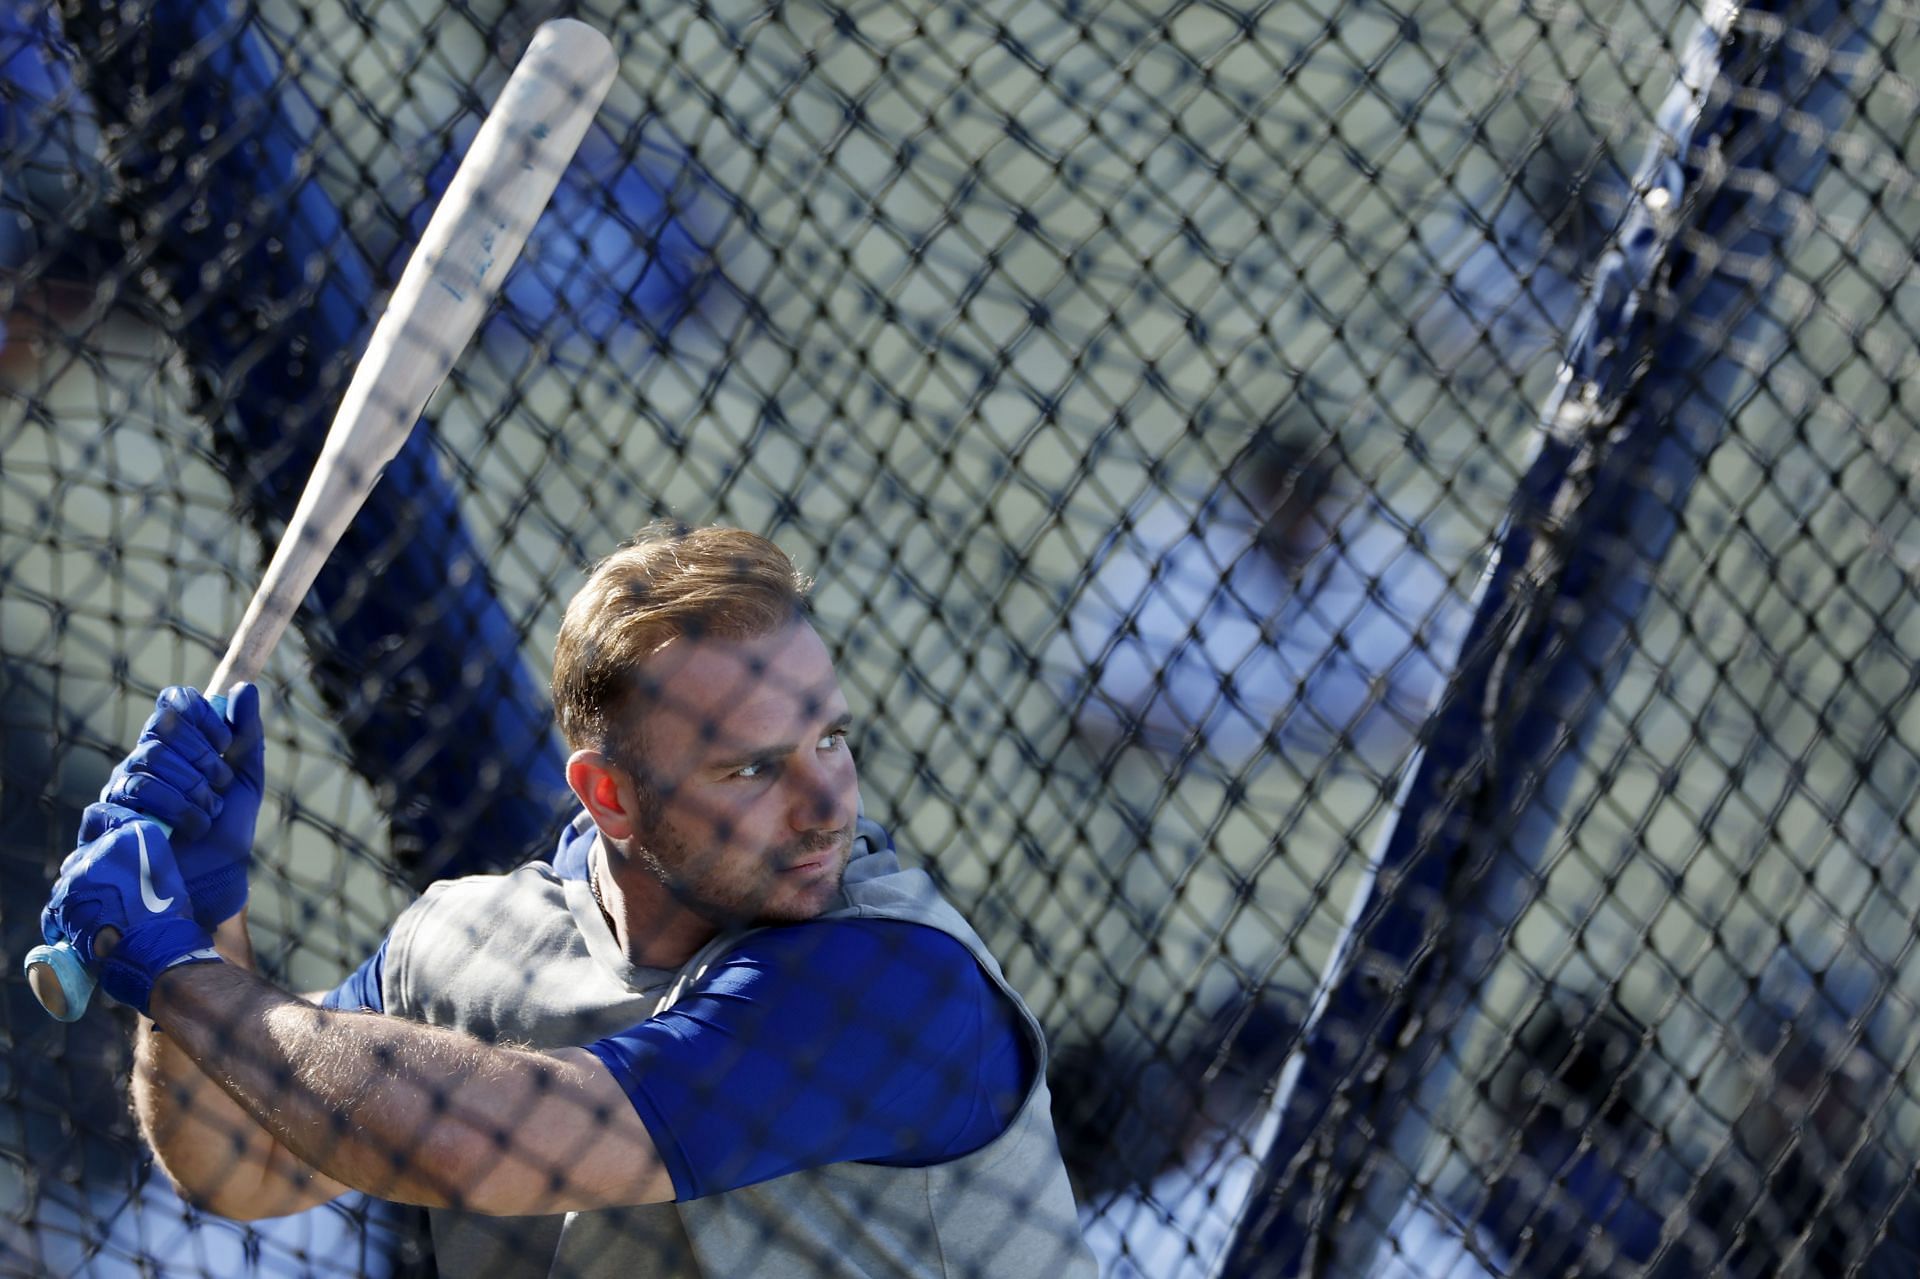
(474, 237)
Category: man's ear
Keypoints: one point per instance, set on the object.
(607, 791)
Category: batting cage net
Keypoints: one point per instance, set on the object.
(1367, 550)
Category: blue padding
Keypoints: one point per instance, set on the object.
(625, 251)
(1664, 343)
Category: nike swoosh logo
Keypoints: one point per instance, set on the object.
(153, 900)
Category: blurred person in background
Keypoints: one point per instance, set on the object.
(1168, 1161)
(1812, 1180)
(1281, 611)
(1577, 1190)
(1278, 612)
(1165, 1163)
(57, 242)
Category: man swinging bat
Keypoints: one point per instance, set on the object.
(723, 1033)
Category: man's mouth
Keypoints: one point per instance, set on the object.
(819, 859)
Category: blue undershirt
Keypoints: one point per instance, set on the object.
(846, 1040)
(360, 992)
(827, 1042)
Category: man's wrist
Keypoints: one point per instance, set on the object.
(233, 941)
(146, 954)
(219, 894)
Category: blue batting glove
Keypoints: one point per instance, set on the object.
(124, 880)
(202, 774)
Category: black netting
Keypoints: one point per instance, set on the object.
(1148, 390)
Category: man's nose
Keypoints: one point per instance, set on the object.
(824, 793)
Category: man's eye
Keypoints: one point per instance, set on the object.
(834, 741)
(750, 771)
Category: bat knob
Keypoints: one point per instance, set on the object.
(59, 981)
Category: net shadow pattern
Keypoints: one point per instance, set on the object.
(1142, 386)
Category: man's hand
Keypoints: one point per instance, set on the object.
(202, 774)
(123, 904)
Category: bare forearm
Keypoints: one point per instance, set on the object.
(404, 1111)
(211, 1148)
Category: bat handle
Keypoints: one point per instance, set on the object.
(59, 980)
(54, 972)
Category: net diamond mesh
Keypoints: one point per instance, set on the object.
(1144, 386)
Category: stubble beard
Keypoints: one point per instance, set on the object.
(701, 883)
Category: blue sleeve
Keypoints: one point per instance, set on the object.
(360, 992)
(828, 1042)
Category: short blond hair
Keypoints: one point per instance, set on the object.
(667, 582)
